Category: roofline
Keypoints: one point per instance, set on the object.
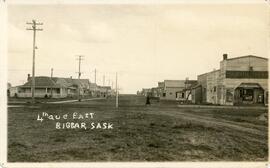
(245, 57)
(173, 80)
(209, 72)
(42, 86)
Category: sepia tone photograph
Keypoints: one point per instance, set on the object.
(154, 82)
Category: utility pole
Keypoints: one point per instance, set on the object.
(95, 76)
(34, 24)
(116, 89)
(51, 79)
(79, 75)
(103, 80)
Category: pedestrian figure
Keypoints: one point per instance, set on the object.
(147, 100)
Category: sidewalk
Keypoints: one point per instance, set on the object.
(222, 107)
(71, 101)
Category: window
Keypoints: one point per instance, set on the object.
(183, 95)
(247, 74)
(164, 94)
(58, 90)
(229, 95)
(215, 88)
(248, 94)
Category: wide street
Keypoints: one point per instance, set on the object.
(163, 131)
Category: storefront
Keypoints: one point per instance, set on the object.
(249, 93)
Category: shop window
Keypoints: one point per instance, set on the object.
(229, 95)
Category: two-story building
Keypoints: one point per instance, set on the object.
(240, 80)
(171, 87)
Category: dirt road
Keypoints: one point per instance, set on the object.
(210, 121)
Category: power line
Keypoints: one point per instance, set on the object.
(34, 28)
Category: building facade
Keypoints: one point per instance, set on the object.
(241, 80)
(54, 87)
(171, 88)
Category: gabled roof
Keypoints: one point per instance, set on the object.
(67, 82)
(61, 81)
(82, 82)
(45, 81)
(41, 81)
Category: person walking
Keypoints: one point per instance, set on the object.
(147, 100)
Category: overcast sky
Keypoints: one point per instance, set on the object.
(143, 43)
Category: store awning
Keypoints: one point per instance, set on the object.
(249, 85)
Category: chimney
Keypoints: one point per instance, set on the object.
(28, 77)
(225, 56)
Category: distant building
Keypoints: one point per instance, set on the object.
(170, 89)
(8, 89)
(146, 91)
(185, 95)
(155, 92)
(94, 90)
(160, 89)
(13, 91)
(240, 80)
(55, 87)
(105, 91)
(8, 85)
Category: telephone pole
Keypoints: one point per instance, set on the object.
(51, 79)
(103, 80)
(34, 24)
(116, 89)
(80, 58)
(95, 76)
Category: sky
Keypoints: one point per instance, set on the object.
(143, 43)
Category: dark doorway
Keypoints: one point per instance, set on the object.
(249, 93)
